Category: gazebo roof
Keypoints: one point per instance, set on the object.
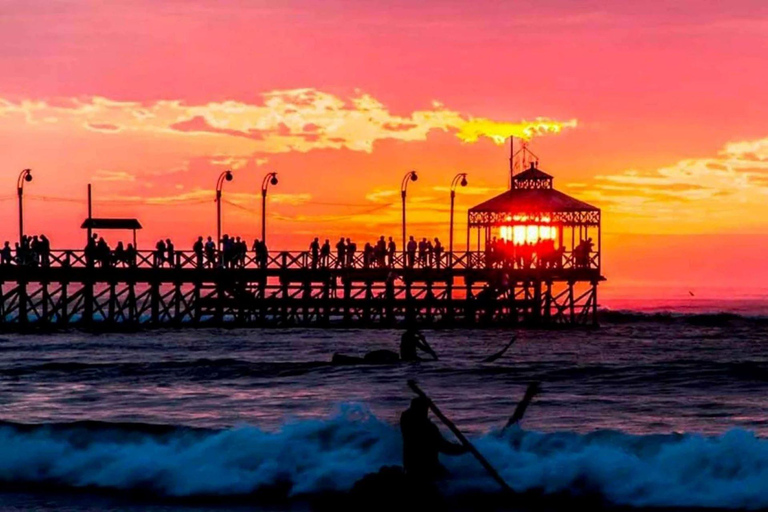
(533, 192)
(532, 173)
(541, 200)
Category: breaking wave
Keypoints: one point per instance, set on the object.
(309, 457)
(713, 319)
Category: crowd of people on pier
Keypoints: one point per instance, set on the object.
(543, 254)
(31, 250)
(382, 253)
(233, 252)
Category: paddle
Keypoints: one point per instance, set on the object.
(532, 391)
(427, 348)
(500, 353)
(463, 440)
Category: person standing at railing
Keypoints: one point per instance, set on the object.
(340, 253)
(582, 253)
(171, 251)
(45, 251)
(90, 250)
(264, 255)
(130, 256)
(391, 251)
(351, 250)
(198, 248)
(22, 253)
(34, 251)
(256, 248)
(411, 250)
(159, 254)
(241, 250)
(314, 252)
(367, 255)
(210, 252)
(380, 252)
(325, 253)
(438, 250)
(423, 252)
(6, 254)
(119, 255)
(104, 253)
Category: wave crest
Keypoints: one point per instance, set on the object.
(319, 456)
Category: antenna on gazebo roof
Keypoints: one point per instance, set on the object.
(521, 159)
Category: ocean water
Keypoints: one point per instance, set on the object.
(651, 410)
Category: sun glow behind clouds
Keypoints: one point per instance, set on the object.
(473, 129)
(287, 120)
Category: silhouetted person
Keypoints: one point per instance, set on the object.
(90, 250)
(438, 250)
(199, 249)
(159, 253)
(119, 257)
(45, 251)
(411, 249)
(325, 253)
(391, 250)
(104, 253)
(422, 444)
(263, 255)
(341, 248)
(171, 251)
(6, 255)
(423, 252)
(381, 252)
(130, 255)
(351, 250)
(314, 252)
(367, 255)
(34, 246)
(210, 252)
(411, 342)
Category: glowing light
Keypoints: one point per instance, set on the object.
(532, 231)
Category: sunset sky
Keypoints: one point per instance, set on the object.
(655, 112)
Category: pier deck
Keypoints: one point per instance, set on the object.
(290, 290)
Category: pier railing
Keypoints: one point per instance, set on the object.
(282, 260)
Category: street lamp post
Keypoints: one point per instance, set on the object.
(26, 175)
(459, 179)
(269, 179)
(225, 176)
(411, 176)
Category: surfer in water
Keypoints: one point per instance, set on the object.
(422, 444)
(414, 485)
(411, 342)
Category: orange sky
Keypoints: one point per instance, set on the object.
(655, 113)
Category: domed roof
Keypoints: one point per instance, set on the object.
(532, 192)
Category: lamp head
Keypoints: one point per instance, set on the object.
(414, 176)
(228, 176)
(464, 181)
(273, 181)
(28, 177)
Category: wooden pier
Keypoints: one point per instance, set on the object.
(291, 290)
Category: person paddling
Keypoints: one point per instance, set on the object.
(411, 342)
(423, 442)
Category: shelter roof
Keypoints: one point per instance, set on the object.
(95, 223)
(532, 173)
(541, 200)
